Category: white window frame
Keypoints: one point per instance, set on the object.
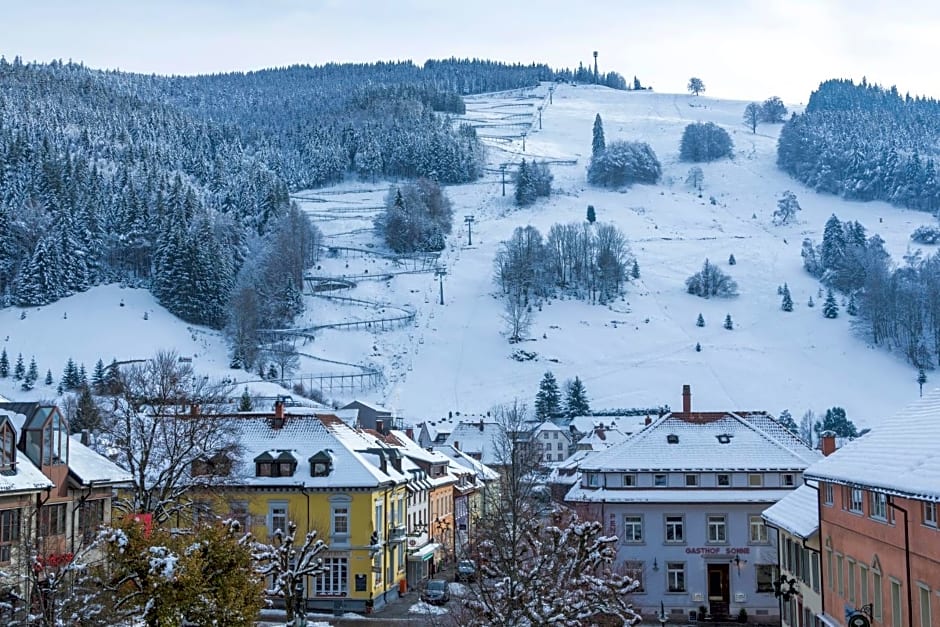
(755, 480)
(788, 479)
(757, 530)
(277, 511)
(592, 480)
(862, 584)
(923, 593)
(674, 525)
(334, 580)
(850, 579)
(675, 577)
(635, 570)
(877, 596)
(717, 525)
(930, 514)
(633, 523)
(829, 494)
(896, 591)
(628, 479)
(660, 480)
(878, 506)
(723, 475)
(691, 480)
(856, 500)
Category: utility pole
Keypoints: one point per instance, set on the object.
(469, 220)
(523, 141)
(502, 170)
(540, 117)
(551, 90)
(439, 273)
(595, 67)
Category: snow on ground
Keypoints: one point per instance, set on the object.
(635, 352)
(426, 609)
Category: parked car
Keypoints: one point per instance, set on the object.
(435, 592)
(466, 571)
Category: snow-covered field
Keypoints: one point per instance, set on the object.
(636, 352)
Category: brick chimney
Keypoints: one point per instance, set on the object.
(600, 432)
(278, 421)
(647, 421)
(827, 442)
(456, 445)
(410, 433)
(481, 425)
(686, 399)
(380, 425)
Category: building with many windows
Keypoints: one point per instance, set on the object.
(795, 518)
(55, 493)
(878, 525)
(298, 464)
(685, 496)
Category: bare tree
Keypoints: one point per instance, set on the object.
(288, 566)
(284, 356)
(517, 316)
(538, 567)
(752, 116)
(163, 422)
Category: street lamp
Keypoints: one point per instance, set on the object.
(439, 273)
(523, 141)
(551, 90)
(540, 117)
(502, 170)
(469, 220)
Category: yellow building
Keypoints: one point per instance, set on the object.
(799, 587)
(313, 469)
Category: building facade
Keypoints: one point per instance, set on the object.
(795, 520)
(685, 497)
(349, 486)
(879, 498)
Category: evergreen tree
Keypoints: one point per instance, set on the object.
(272, 372)
(837, 422)
(244, 403)
(852, 307)
(97, 378)
(19, 370)
(576, 401)
(87, 415)
(32, 374)
(591, 216)
(832, 249)
(112, 378)
(830, 307)
(921, 379)
(731, 260)
(598, 145)
(728, 323)
(70, 375)
(787, 303)
(698, 347)
(548, 398)
(700, 322)
(49, 380)
(82, 375)
(4, 364)
(635, 273)
(787, 421)
(810, 302)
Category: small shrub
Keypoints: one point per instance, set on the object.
(729, 324)
(731, 260)
(711, 281)
(704, 142)
(700, 322)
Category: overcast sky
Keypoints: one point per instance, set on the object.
(745, 49)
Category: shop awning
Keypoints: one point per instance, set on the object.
(424, 553)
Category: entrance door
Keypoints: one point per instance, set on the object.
(719, 596)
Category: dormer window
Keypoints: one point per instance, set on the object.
(7, 446)
(321, 464)
(47, 437)
(281, 465)
(219, 465)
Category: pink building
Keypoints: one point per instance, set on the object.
(878, 503)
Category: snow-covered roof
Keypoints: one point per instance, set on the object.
(477, 438)
(797, 513)
(705, 442)
(25, 477)
(626, 424)
(899, 456)
(460, 458)
(704, 495)
(357, 457)
(372, 406)
(548, 425)
(601, 439)
(88, 466)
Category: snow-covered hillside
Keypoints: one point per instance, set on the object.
(635, 352)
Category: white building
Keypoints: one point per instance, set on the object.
(685, 497)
